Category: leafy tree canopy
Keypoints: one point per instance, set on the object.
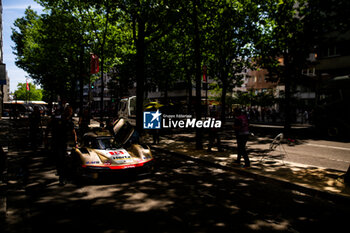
(32, 94)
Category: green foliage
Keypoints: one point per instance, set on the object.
(23, 94)
(251, 98)
(47, 47)
(160, 42)
(244, 98)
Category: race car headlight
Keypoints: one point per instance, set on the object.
(146, 153)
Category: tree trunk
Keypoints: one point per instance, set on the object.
(189, 86)
(81, 81)
(102, 87)
(140, 75)
(166, 89)
(223, 101)
(102, 65)
(199, 131)
(73, 96)
(287, 79)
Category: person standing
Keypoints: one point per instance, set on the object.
(241, 126)
(62, 132)
(305, 118)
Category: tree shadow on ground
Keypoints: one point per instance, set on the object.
(181, 196)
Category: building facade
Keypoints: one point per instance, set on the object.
(2, 66)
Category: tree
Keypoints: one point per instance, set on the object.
(229, 34)
(197, 66)
(150, 20)
(287, 36)
(147, 22)
(48, 49)
(32, 94)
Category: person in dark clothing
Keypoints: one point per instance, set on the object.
(214, 132)
(34, 128)
(155, 135)
(63, 132)
(241, 126)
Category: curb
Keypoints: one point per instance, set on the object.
(284, 183)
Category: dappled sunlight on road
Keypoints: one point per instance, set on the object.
(183, 195)
(308, 176)
(266, 163)
(282, 225)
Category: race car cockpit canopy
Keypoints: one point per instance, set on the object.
(122, 131)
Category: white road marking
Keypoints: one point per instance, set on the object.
(331, 147)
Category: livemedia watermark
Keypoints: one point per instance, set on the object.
(157, 120)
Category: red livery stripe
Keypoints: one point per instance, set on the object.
(116, 167)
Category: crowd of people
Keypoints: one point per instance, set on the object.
(264, 114)
(272, 115)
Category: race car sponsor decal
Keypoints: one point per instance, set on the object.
(92, 162)
(120, 152)
(120, 156)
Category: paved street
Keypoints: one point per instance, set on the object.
(310, 147)
(182, 196)
(305, 148)
(313, 152)
(321, 153)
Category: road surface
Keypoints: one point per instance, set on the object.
(181, 196)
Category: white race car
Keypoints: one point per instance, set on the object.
(105, 151)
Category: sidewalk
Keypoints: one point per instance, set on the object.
(310, 179)
(317, 181)
(4, 142)
(13, 138)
